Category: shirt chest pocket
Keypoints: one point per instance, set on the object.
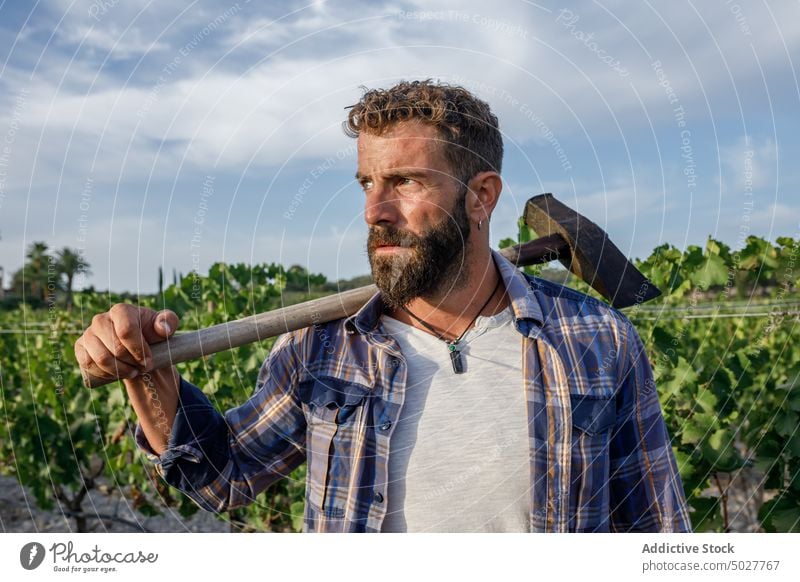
(593, 415)
(334, 414)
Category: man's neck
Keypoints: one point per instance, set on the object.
(456, 307)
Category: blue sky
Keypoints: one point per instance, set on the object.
(150, 134)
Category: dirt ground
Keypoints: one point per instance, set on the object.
(18, 513)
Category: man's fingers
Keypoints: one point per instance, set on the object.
(98, 358)
(104, 328)
(130, 343)
(80, 353)
(117, 343)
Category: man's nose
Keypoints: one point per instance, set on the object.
(381, 206)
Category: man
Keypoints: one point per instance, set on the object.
(464, 396)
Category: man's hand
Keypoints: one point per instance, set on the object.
(117, 343)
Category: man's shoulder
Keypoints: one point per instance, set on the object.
(565, 309)
(584, 330)
(327, 335)
(321, 348)
(327, 355)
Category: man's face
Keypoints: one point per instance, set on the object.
(415, 210)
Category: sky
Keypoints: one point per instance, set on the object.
(182, 134)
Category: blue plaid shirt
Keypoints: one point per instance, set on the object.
(331, 394)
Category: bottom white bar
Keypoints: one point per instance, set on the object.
(389, 557)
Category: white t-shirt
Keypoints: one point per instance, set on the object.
(458, 459)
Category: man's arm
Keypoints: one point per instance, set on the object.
(117, 346)
(154, 397)
(224, 461)
(646, 490)
(219, 461)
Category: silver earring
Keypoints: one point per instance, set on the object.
(480, 222)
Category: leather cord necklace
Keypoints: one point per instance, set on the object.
(455, 355)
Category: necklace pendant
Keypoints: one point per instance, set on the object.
(456, 360)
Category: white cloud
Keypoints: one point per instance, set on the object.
(751, 164)
(215, 109)
(268, 87)
(111, 42)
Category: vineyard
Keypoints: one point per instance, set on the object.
(719, 339)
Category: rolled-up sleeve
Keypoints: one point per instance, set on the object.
(646, 490)
(223, 461)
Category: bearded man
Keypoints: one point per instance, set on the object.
(465, 396)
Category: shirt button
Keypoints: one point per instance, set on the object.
(386, 425)
(378, 496)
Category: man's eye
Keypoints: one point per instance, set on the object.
(366, 184)
(406, 181)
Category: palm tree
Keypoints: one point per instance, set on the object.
(35, 271)
(71, 263)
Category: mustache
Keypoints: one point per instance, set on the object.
(389, 235)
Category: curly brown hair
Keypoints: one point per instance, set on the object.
(466, 124)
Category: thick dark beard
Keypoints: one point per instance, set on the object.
(438, 259)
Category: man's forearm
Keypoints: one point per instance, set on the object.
(154, 396)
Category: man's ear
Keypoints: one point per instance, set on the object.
(482, 196)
